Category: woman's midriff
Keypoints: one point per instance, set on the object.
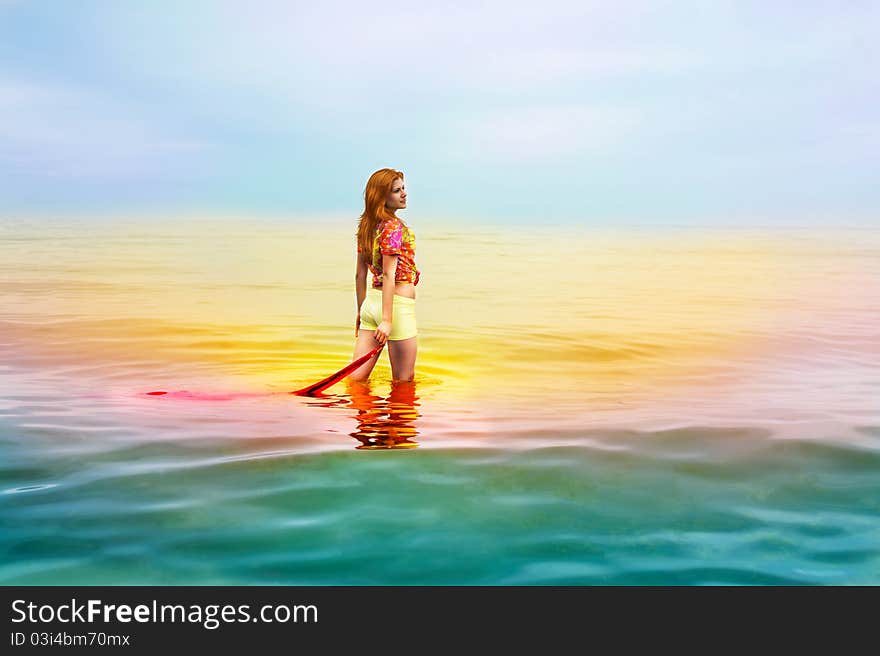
(406, 289)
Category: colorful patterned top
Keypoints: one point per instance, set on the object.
(393, 237)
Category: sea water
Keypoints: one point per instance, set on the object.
(592, 405)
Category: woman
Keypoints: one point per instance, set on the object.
(386, 248)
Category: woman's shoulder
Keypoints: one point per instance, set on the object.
(389, 225)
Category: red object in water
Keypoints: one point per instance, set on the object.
(321, 385)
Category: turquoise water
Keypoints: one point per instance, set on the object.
(690, 506)
(760, 467)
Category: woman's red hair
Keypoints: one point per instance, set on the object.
(378, 188)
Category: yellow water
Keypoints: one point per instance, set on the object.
(604, 324)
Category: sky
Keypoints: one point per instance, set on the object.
(506, 112)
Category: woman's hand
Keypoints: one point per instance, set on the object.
(383, 331)
(357, 324)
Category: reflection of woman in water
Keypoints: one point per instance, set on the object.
(386, 248)
(385, 423)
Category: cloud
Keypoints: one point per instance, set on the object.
(526, 133)
(556, 65)
(318, 55)
(72, 132)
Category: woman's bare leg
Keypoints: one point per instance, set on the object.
(403, 358)
(364, 344)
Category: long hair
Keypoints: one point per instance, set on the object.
(378, 187)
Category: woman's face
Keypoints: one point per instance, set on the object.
(397, 196)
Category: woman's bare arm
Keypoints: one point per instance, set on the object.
(360, 280)
(360, 288)
(389, 269)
